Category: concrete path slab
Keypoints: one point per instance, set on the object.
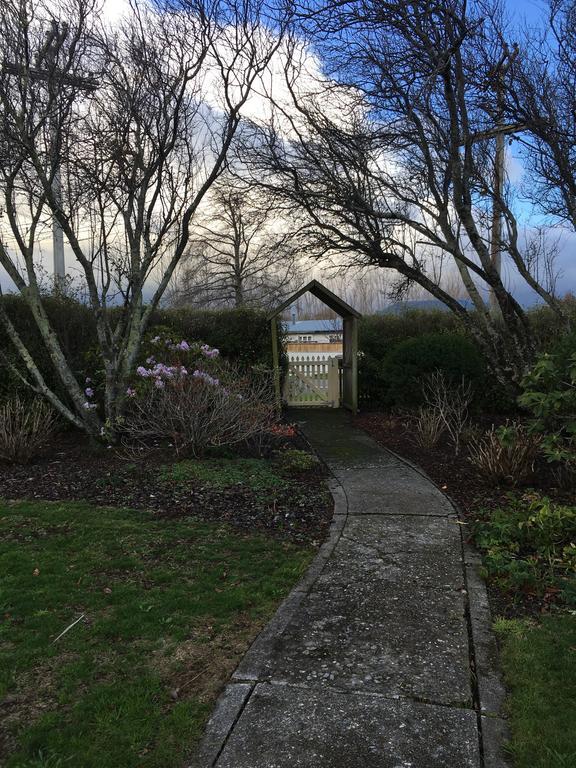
(286, 727)
(372, 660)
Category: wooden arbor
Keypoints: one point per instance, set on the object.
(349, 367)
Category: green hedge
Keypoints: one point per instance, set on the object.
(407, 365)
(74, 326)
(385, 381)
(378, 335)
(242, 336)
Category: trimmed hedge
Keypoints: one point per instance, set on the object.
(242, 336)
(74, 326)
(406, 366)
(378, 335)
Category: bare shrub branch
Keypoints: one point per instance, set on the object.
(25, 428)
(193, 414)
(449, 403)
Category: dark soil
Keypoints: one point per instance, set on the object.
(300, 509)
(472, 493)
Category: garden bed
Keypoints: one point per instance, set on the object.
(272, 494)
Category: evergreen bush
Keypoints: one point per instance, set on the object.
(405, 368)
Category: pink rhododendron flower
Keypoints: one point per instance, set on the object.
(89, 392)
(131, 392)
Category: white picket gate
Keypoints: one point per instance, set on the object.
(312, 380)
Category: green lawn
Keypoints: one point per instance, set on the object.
(169, 607)
(257, 474)
(539, 662)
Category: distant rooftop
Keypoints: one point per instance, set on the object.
(313, 326)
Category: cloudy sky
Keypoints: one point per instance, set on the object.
(521, 12)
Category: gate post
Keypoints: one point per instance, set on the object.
(333, 382)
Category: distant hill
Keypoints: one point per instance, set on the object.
(422, 304)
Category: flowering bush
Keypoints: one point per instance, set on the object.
(187, 396)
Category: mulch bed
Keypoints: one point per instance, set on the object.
(464, 485)
(75, 469)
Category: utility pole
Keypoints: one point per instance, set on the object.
(55, 39)
(500, 72)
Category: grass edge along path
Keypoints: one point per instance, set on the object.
(168, 609)
(539, 665)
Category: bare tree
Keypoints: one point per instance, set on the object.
(542, 100)
(389, 156)
(243, 256)
(134, 158)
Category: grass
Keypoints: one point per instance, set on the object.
(168, 609)
(539, 662)
(256, 474)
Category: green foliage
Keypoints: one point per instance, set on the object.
(540, 674)
(161, 602)
(295, 461)
(530, 543)
(242, 336)
(379, 334)
(256, 474)
(550, 396)
(546, 326)
(407, 365)
(73, 324)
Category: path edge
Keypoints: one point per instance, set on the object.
(234, 697)
(489, 687)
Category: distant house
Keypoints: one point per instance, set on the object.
(314, 331)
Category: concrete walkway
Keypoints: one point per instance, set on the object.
(382, 657)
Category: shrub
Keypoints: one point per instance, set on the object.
(196, 401)
(550, 396)
(406, 366)
(450, 403)
(546, 325)
(25, 428)
(243, 336)
(505, 454)
(429, 427)
(379, 334)
(74, 326)
(530, 542)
